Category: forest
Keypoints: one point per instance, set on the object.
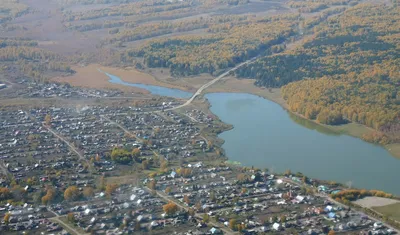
(347, 72)
(24, 57)
(224, 46)
(10, 9)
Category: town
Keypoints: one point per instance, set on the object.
(135, 167)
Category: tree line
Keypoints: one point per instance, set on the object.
(221, 49)
(347, 72)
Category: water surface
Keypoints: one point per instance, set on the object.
(267, 136)
(155, 90)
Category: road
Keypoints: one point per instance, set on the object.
(56, 218)
(62, 139)
(128, 132)
(3, 169)
(67, 143)
(210, 83)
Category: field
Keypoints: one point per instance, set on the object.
(373, 202)
(91, 77)
(391, 211)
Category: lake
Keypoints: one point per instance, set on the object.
(155, 90)
(267, 136)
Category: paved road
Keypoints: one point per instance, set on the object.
(205, 86)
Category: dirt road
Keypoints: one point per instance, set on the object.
(210, 83)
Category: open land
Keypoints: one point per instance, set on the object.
(391, 211)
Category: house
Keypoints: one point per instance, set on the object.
(173, 174)
(215, 231)
(276, 226)
(328, 209)
(331, 215)
(322, 188)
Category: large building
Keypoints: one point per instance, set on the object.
(2, 86)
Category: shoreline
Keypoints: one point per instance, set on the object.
(351, 129)
(88, 76)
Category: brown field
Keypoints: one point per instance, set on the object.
(90, 77)
(134, 76)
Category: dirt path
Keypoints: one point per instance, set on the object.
(67, 143)
(197, 215)
(3, 169)
(64, 140)
(128, 132)
(71, 229)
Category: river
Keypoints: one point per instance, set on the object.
(155, 90)
(267, 136)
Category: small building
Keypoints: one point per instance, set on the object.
(2, 86)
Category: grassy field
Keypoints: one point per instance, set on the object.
(392, 211)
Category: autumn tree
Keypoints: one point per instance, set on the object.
(111, 188)
(71, 217)
(242, 178)
(168, 190)
(191, 212)
(212, 196)
(163, 165)
(145, 165)
(232, 224)
(6, 218)
(102, 183)
(49, 197)
(135, 154)
(5, 194)
(48, 119)
(152, 184)
(170, 208)
(186, 199)
(72, 193)
(206, 218)
(88, 192)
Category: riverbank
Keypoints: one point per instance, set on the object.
(94, 76)
(90, 76)
(234, 85)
